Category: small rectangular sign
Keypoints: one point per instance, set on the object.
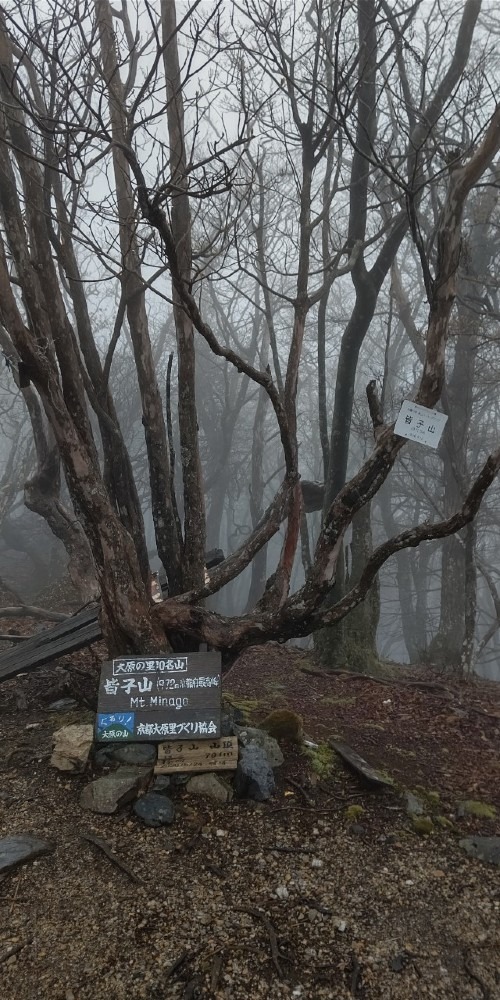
(200, 755)
(419, 423)
(153, 698)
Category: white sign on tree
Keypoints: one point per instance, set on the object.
(418, 423)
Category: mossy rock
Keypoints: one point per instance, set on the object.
(444, 822)
(354, 812)
(472, 807)
(428, 795)
(422, 825)
(434, 797)
(322, 759)
(386, 777)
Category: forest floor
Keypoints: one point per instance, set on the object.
(288, 898)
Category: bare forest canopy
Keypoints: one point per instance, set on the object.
(233, 239)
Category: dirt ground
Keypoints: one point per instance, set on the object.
(290, 898)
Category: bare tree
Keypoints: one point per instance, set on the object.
(100, 115)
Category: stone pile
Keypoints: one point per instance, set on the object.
(125, 772)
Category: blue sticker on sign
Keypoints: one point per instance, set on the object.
(114, 721)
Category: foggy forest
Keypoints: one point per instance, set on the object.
(249, 499)
(234, 239)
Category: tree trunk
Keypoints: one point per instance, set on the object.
(42, 496)
(353, 642)
(118, 473)
(193, 563)
(403, 580)
(259, 564)
(167, 540)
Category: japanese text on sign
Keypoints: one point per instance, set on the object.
(418, 423)
(175, 665)
(200, 755)
(176, 697)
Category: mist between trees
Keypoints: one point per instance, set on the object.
(234, 237)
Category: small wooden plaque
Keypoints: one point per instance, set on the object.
(198, 755)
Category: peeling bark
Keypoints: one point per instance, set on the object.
(42, 495)
(168, 543)
(193, 563)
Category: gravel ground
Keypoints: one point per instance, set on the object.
(245, 901)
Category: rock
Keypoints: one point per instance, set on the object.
(443, 822)
(63, 705)
(248, 735)
(155, 810)
(102, 757)
(414, 806)
(179, 778)
(161, 784)
(72, 746)
(134, 753)
(354, 812)
(422, 825)
(18, 850)
(143, 774)
(399, 962)
(471, 807)
(357, 763)
(358, 829)
(211, 786)
(227, 724)
(484, 848)
(126, 753)
(282, 892)
(231, 717)
(108, 794)
(254, 777)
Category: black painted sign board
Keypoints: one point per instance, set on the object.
(165, 697)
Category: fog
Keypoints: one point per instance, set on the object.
(244, 128)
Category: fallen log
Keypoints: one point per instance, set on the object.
(67, 636)
(30, 611)
(73, 632)
(362, 768)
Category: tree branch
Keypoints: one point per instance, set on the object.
(413, 537)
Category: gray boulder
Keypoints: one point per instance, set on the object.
(211, 786)
(248, 735)
(483, 848)
(414, 806)
(155, 810)
(18, 850)
(161, 784)
(254, 778)
(127, 753)
(231, 718)
(108, 794)
(179, 778)
(63, 705)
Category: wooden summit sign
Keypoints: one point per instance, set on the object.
(157, 698)
(199, 755)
